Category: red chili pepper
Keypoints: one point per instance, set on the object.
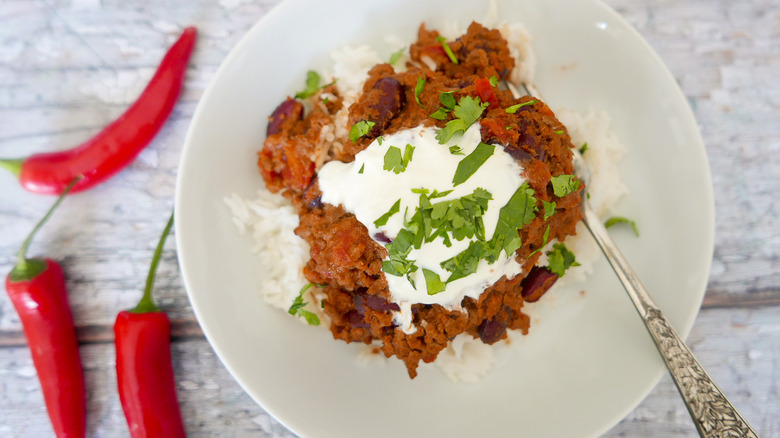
(147, 387)
(486, 93)
(117, 145)
(37, 289)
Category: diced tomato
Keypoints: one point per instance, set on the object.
(486, 93)
(298, 171)
(493, 129)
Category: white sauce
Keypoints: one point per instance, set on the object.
(371, 194)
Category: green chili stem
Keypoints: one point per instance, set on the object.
(13, 166)
(22, 254)
(147, 302)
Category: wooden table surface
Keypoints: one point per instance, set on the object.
(67, 68)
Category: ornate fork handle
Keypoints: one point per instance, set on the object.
(711, 411)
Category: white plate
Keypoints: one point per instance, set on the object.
(575, 378)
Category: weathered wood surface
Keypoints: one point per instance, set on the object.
(69, 67)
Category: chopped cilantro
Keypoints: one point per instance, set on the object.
(362, 168)
(545, 239)
(467, 111)
(466, 262)
(621, 220)
(447, 49)
(473, 161)
(449, 103)
(297, 307)
(455, 150)
(421, 191)
(437, 194)
(584, 147)
(559, 132)
(439, 114)
(418, 89)
(395, 162)
(397, 55)
(312, 85)
(360, 129)
(518, 212)
(513, 109)
(433, 282)
(564, 184)
(560, 259)
(379, 140)
(549, 209)
(493, 81)
(398, 250)
(393, 210)
(448, 100)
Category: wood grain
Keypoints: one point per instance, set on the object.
(69, 67)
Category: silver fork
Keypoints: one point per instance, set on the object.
(711, 411)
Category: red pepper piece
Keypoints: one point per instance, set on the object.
(147, 388)
(117, 145)
(486, 93)
(37, 289)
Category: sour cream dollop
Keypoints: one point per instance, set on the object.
(364, 188)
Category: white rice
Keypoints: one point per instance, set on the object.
(270, 219)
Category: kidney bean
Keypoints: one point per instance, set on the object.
(380, 304)
(290, 109)
(538, 281)
(355, 319)
(386, 99)
(382, 237)
(491, 330)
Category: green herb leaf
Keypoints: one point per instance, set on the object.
(448, 100)
(397, 55)
(513, 109)
(466, 262)
(560, 132)
(379, 140)
(394, 160)
(411, 280)
(584, 148)
(564, 184)
(312, 85)
(493, 81)
(455, 150)
(360, 129)
(473, 161)
(433, 282)
(418, 89)
(398, 251)
(408, 154)
(439, 114)
(560, 259)
(549, 209)
(362, 168)
(467, 111)
(545, 239)
(621, 220)
(421, 191)
(393, 210)
(437, 194)
(297, 307)
(447, 49)
(519, 211)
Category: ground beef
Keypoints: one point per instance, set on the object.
(348, 262)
